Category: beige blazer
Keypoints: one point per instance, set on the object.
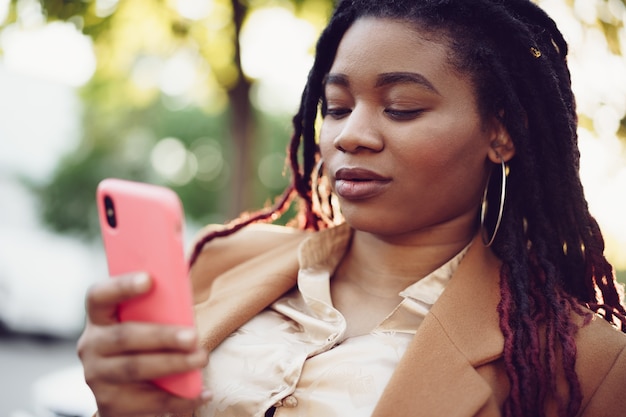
(453, 367)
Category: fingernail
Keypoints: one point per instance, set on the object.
(186, 337)
(206, 395)
(197, 359)
(141, 281)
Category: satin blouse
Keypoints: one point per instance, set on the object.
(293, 356)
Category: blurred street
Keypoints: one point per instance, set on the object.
(23, 359)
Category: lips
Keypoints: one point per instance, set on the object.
(359, 183)
(358, 174)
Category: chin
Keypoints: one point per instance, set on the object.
(376, 225)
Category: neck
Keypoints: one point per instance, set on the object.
(383, 266)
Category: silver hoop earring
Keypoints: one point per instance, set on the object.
(483, 207)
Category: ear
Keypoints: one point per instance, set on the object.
(500, 144)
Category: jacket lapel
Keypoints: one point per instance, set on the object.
(437, 375)
(244, 291)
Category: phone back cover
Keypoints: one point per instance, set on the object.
(148, 237)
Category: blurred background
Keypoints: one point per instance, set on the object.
(196, 95)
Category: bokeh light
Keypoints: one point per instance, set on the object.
(276, 52)
(54, 51)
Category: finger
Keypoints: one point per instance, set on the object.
(103, 298)
(135, 337)
(142, 367)
(146, 399)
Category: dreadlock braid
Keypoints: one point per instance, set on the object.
(303, 137)
(304, 121)
(550, 245)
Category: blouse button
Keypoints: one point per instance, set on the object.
(290, 402)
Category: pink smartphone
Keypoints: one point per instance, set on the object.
(142, 230)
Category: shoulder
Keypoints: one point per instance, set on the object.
(224, 253)
(252, 239)
(599, 343)
(601, 367)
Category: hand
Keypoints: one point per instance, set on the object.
(120, 359)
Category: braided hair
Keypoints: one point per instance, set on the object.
(550, 245)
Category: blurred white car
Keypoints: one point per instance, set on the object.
(43, 276)
(63, 393)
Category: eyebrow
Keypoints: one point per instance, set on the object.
(338, 79)
(405, 78)
(385, 79)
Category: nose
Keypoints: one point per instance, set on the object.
(359, 131)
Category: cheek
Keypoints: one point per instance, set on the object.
(326, 139)
(423, 148)
(456, 152)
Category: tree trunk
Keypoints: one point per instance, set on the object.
(243, 129)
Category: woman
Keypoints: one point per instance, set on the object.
(461, 274)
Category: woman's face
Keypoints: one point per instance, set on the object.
(402, 140)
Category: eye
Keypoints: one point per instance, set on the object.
(403, 114)
(337, 112)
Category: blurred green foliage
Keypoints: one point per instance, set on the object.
(126, 115)
(129, 119)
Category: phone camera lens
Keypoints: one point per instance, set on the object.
(109, 210)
